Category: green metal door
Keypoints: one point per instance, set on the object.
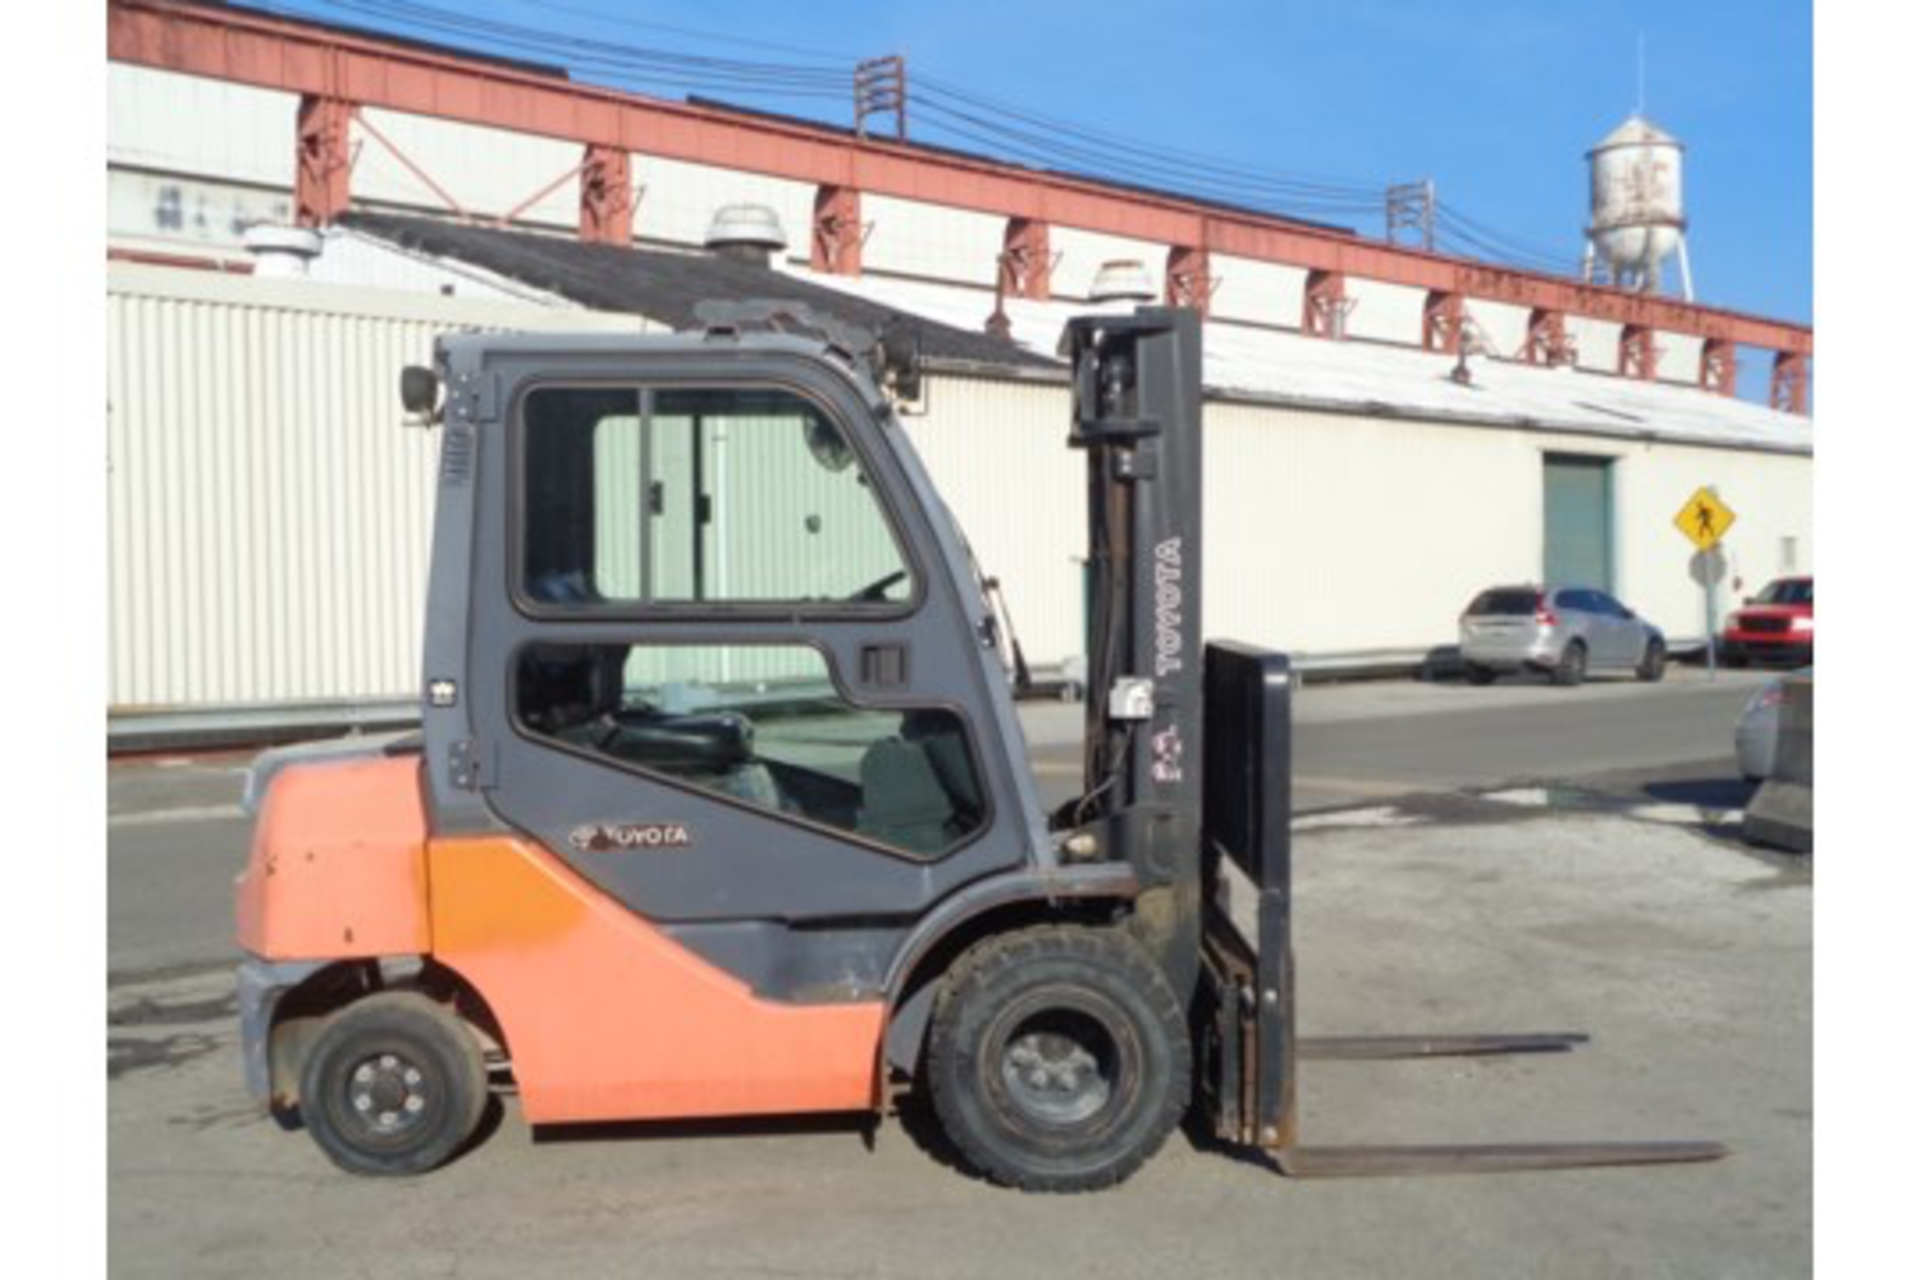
(1579, 520)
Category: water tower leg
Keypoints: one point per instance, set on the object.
(1686, 272)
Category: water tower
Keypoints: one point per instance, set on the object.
(1637, 218)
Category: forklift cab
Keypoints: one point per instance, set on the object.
(709, 590)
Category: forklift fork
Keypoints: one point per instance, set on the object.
(1249, 1045)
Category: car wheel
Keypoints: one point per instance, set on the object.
(1480, 675)
(1572, 667)
(1653, 664)
(1059, 1058)
(394, 1084)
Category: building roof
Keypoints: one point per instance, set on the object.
(666, 286)
(1243, 362)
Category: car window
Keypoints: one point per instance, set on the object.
(1606, 604)
(1576, 600)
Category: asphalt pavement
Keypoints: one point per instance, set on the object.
(1513, 858)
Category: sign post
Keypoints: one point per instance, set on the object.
(1704, 521)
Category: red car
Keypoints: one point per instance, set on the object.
(1775, 625)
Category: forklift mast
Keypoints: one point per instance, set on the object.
(1136, 414)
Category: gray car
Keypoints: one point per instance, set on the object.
(1564, 631)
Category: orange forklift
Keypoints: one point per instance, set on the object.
(721, 807)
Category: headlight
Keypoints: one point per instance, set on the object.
(1803, 624)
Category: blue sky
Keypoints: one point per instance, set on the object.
(1496, 100)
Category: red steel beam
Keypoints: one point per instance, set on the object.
(1026, 261)
(1639, 357)
(1323, 305)
(606, 196)
(1441, 321)
(323, 161)
(838, 235)
(1719, 366)
(1547, 341)
(1189, 277)
(1791, 375)
(261, 50)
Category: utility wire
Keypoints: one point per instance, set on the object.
(996, 126)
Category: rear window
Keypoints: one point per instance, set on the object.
(1504, 602)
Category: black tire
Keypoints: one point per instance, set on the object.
(1572, 667)
(1480, 675)
(1059, 1059)
(394, 1084)
(1653, 663)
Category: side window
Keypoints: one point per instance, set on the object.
(762, 725)
(696, 496)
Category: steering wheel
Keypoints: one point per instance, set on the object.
(876, 590)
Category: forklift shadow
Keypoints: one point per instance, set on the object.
(914, 1109)
(716, 1127)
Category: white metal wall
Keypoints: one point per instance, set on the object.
(1385, 312)
(1339, 534)
(1259, 292)
(488, 171)
(998, 453)
(914, 238)
(190, 125)
(1081, 254)
(675, 201)
(267, 514)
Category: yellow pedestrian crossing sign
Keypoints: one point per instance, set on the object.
(1705, 519)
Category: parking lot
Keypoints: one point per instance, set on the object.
(1513, 858)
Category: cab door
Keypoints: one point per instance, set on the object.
(720, 665)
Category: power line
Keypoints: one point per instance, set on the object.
(1000, 128)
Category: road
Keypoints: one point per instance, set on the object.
(1519, 858)
(175, 836)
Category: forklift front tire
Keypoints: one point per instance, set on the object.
(394, 1084)
(1059, 1059)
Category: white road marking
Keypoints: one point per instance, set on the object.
(158, 817)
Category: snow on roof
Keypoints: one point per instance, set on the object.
(1281, 367)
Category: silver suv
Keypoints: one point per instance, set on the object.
(1564, 631)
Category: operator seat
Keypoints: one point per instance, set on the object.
(901, 800)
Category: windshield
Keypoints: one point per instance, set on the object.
(1787, 591)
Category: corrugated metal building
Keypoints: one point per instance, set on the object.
(269, 515)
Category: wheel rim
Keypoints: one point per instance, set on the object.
(1576, 661)
(1060, 1067)
(389, 1096)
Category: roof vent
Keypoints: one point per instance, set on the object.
(746, 233)
(281, 252)
(1122, 280)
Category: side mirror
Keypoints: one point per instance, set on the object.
(420, 396)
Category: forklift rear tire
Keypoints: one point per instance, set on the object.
(1058, 1059)
(394, 1084)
